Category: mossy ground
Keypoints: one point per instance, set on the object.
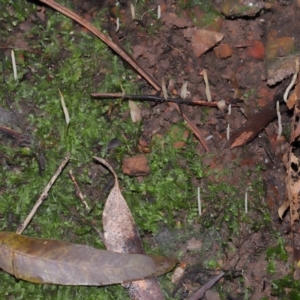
(60, 56)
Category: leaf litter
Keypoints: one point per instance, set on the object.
(292, 165)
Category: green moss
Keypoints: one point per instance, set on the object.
(277, 252)
(210, 14)
(286, 288)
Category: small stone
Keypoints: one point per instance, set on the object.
(256, 50)
(223, 51)
(136, 165)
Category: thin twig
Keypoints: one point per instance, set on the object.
(10, 132)
(201, 292)
(44, 195)
(78, 191)
(152, 98)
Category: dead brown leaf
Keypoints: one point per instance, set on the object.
(293, 184)
(121, 235)
(292, 179)
(203, 40)
(120, 232)
(58, 262)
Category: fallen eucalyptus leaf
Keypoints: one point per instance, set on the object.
(64, 263)
(120, 232)
(121, 235)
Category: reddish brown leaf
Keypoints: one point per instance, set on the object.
(58, 262)
(203, 40)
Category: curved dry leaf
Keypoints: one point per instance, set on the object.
(59, 262)
(121, 235)
(120, 232)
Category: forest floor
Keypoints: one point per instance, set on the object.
(248, 52)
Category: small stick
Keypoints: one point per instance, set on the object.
(228, 132)
(246, 202)
(199, 201)
(78, 191)
(13, 61)
(44, 195)
(152, 98)
(279, 121)
(10, 132)
(207, 89)
(201, 292)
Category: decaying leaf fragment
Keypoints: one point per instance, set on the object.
(121, 235)
(58, 262)
(292, 178)
(202, 40)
